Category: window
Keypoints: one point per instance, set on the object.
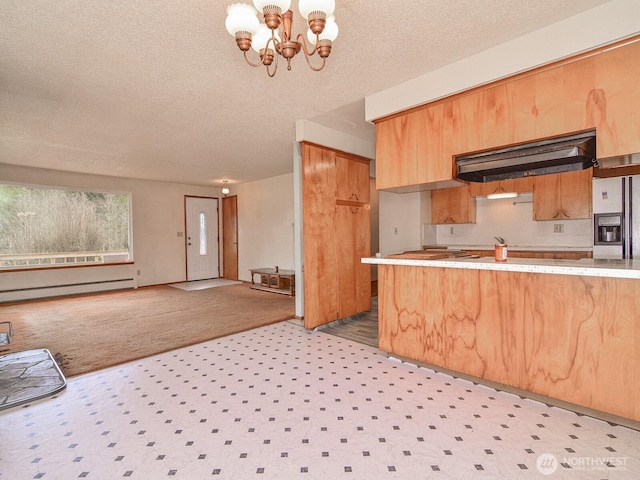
(203, 234)
(42, 226)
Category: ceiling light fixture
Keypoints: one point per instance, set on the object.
(225, 190)
(275, 35)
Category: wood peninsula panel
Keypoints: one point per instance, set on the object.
(575, 338)
(568, 337)
(434, 317)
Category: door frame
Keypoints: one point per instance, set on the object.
(217, 241)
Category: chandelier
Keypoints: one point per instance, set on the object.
(274, 36)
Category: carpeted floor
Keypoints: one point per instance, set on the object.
(89, 332)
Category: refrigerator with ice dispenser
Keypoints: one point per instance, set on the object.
(616, 217)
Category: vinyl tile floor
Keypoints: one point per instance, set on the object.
(282, 402)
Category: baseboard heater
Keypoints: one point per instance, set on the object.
(67, 289)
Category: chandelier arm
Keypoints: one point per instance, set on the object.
(315, 69)
(275, 68)
(301, 40)
(246, 58)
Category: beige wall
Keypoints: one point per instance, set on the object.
(158, 216)
(265, 224)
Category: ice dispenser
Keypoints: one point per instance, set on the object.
(607, 229)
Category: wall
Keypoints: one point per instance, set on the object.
(512, 219)
(401, 211)
(265, 224)
(157, 214)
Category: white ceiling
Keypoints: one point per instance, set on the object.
(158, 89)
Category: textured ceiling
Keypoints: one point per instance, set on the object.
(159, 90)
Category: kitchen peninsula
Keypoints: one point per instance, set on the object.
(564, 329)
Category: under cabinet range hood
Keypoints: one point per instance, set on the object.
(564, 154)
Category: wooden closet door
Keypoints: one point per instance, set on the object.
(318, 213)
(230, 237)
(353, 242)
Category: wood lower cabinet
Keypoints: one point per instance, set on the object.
(563, 196)
(573, 338)
(336, 235)
(452, 205)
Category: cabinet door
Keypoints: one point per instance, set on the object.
(320, 256)
(453, 205)
(477, 189)
(352, 179)
(563, 196)
(547, 197)
(353, 241)
(396, 151)
(462, 207)
(440, 206)
(576, 194)
(518, 185)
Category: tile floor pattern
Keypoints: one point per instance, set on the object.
(283, 402)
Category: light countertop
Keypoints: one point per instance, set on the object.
(588, 267)
(515, 248)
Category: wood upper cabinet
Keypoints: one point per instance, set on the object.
(415, 148)
(352, 178)
(597, 91)
(453, 205)
(518, 185)
(563, 196)
(336, 234)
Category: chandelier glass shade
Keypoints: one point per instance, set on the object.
(273, 38)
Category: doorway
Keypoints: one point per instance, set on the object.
(230, 237)
(201, 218)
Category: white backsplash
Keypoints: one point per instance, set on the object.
(512, 219)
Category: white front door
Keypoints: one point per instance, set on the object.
(202, 238)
